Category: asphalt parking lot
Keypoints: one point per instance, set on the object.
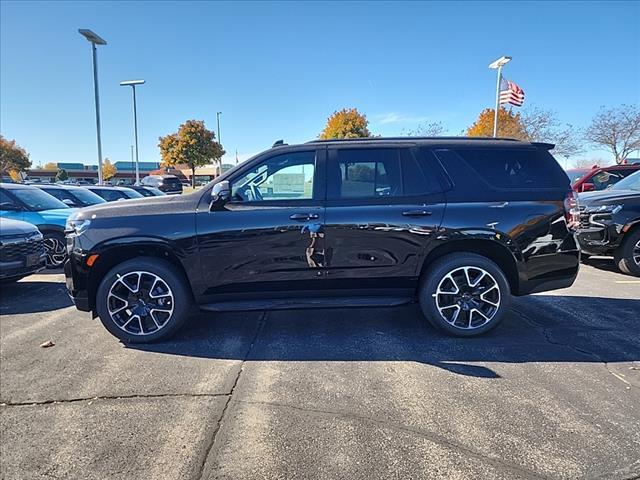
(554, 392)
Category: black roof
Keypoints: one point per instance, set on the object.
(459, 141)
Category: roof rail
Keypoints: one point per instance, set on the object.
(382, 139)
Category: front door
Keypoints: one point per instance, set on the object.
(384, 206)
(268, 239)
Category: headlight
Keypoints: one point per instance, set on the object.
(76, 225)
(613, 209)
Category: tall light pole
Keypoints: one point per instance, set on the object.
(218, 121)
(95, 40)
(132, 84)
(497, 65)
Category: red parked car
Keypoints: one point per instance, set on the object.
(599, 178)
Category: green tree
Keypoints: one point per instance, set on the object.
(509, 124)
(192, 145)
(346, 123)
(109, 170)
(13, 158)
(62, 175)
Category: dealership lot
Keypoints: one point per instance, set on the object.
(554, 392)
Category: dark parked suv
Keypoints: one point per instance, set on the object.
(458, 224)
(610, 223)
(169, 184)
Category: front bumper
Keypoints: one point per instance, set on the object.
(79, 296)
(599, 234)
(18, 268)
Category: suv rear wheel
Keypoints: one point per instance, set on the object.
(464, 294)
(627, 256)
(143, 300)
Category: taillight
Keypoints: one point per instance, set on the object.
(572, 210)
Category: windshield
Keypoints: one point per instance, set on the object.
(36, 199)
(632, 182)
(87, 197)
(576, 174)
(131, 193)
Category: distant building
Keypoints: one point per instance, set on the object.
(77, 171)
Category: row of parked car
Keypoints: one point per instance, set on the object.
(33, 217)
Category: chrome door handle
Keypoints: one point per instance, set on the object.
(303, 216)
(417, 213)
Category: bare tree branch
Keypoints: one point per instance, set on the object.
(616, 129)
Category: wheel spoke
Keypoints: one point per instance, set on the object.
(137, 305)
(474, 304)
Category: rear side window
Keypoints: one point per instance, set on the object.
(377, 173)
(513, 168)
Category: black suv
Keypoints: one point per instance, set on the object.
(169, 184)
(610, 223)
(458, 224)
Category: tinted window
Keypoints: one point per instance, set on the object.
(632, 182)
(86, 197)
(364, 173)
(511, 168)
(110, 195)
(60, 194)
(379, 172)
(37, 200)
(605, 179)
(4, 198)
(283, 177)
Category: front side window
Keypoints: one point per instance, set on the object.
(284, 177)
(605, 179)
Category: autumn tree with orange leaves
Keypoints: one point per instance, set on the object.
(346, 123)
(192, 145)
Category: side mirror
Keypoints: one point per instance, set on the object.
(220, 193)
(588, 187)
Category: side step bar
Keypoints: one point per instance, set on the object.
(302, 303)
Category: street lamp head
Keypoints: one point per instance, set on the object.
(502, 61)
(131, 82)
(91, 36)
(218, 113)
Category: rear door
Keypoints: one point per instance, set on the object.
(384, 206)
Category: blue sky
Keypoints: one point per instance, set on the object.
(278, 70)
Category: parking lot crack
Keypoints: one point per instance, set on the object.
(430, 436)
(548, 338)
(9, 403)
(211, 444)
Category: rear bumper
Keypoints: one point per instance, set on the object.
(549, 272)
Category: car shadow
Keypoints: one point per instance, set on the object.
(33, 297)
(537, 329)
(602, 263)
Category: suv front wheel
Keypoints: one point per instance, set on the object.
(143, 300)
(464, 294)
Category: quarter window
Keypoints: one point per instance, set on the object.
(283, 177)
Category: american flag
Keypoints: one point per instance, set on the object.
(511, 93)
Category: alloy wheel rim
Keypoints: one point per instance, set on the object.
(468, 297)
(636, 253)
(140, 303)
(56, 252)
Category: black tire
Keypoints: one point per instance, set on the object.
(625, 254)
(471, 309)
(55, 246)
(584, 256)
(119, 281)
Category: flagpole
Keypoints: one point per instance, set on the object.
(497, 65)
(495, 118)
